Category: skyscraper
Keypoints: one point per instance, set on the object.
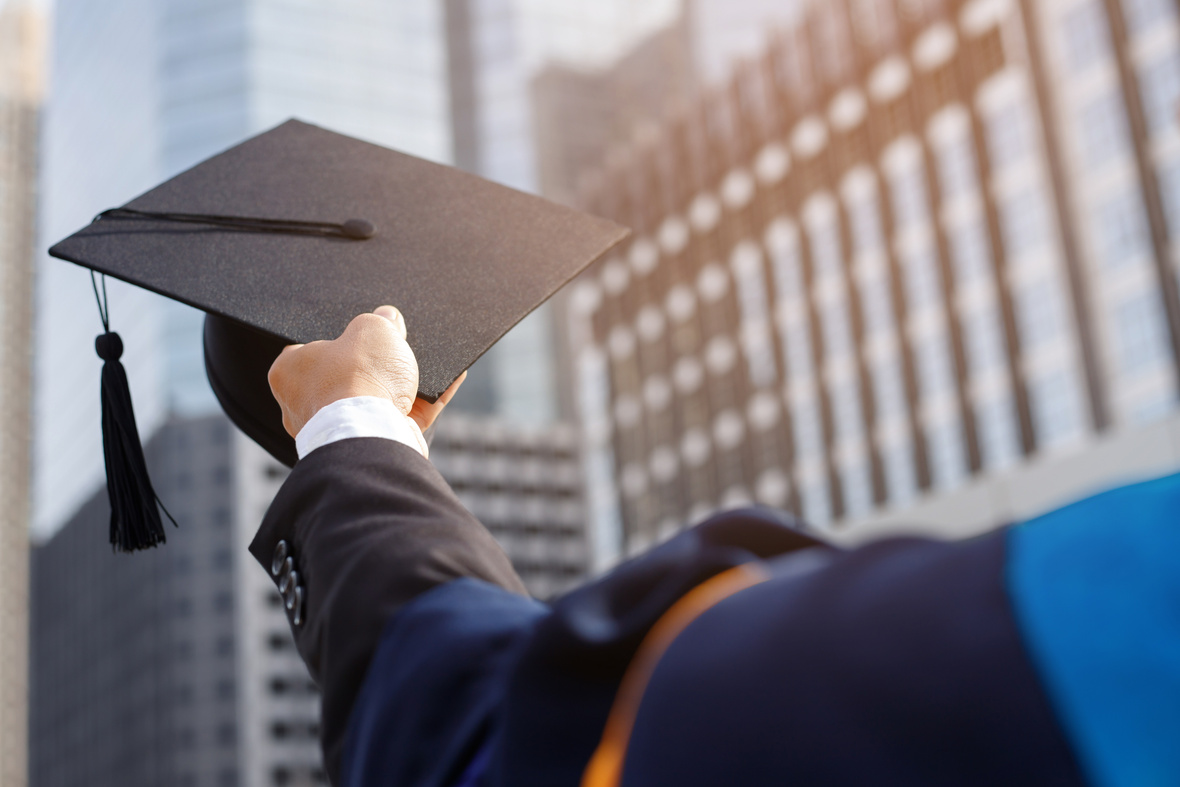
(524, 483)
(21, 54)
(136, 660)
(727, 31)
(495, 48)
(144, 88)
(886, 273)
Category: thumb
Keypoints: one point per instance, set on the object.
(394, 316)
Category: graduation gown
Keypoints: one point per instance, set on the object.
(740, 652)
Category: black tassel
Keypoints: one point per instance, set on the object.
(135, 508)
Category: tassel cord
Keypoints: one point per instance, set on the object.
(135, 507)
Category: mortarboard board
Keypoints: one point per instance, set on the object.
(287, 236)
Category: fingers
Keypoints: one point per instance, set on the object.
(452, 389)
(394, 316)
(371, 358)
(425, 414)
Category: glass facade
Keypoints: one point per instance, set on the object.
(909, 234)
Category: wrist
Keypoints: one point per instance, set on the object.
(359, 416)
(340, 392)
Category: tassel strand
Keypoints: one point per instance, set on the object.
(135, 507)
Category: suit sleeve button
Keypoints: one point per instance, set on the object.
(287, 580)
(297, 617)
(276, 563)
(289, 592)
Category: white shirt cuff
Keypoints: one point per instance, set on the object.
(360, 416)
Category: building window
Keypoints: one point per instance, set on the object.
(784, 257)
(909, 197)
(797, 345)
(1161, 93)
(874, 301)
(1008, 137)
(817, 507)
(759, 349)
(1143, 15)
(277, 642)
(866, 225)
(934, 366)
(1056, 408)
(222, 560)
(1104, 130)
(834, 42)
(858, 490)
(890, 393)
(946, 454)
(923, 288)
(1122, 233)
(1142, 340)
(223, 602)
(837, 330)
(847, 412)
(956, 168)
(996, 424)
(225, 689)
(1087, 35)
(984, 342)
(227, 734)
(751, 286)
(1023, 222)
(808, 438)
(874, 22)
(826, 254)
(971, 252)
(899, 474)
(1040, 313)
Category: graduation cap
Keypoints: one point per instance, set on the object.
(285, 238)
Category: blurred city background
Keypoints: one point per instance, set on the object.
(898, 266)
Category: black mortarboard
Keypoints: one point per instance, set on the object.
(287, 236)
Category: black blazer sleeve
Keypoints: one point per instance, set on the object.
(369, 525)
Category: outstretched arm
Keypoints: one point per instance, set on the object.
(362, 526)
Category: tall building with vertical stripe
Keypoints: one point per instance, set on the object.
(917, 262)
(21, 74)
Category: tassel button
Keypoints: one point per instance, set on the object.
(109, 346)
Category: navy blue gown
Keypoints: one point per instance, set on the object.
(741, 652)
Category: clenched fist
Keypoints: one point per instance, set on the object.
(371, 358)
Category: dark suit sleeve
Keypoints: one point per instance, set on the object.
(370, 525)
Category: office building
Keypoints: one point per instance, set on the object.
(725, 32)
(580, 115)
(176, 665)
(134, 672)
(525, 485)
(278, 703)
(494, 48)
(916, 263)
(21, 54)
